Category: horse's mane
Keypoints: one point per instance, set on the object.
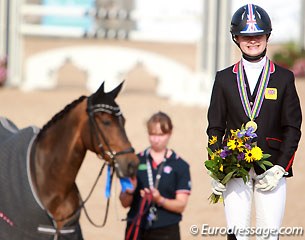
(59, 115)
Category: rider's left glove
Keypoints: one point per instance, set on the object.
(270, 179)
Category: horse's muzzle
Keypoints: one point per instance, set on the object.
(127, 167)
(132, 169)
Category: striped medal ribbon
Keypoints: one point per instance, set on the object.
(252, 112)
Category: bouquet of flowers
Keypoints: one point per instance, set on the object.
(236, 158)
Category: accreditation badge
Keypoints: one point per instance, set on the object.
(142, 167)
(271, 93)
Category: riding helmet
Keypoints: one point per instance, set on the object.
(250, 20)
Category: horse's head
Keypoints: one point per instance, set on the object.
(108, 134)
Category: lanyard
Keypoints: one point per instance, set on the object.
(149, 171)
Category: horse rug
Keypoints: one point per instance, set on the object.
(22, 217)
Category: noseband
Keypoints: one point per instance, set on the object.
(97, 132)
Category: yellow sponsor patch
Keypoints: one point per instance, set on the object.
(271, 93)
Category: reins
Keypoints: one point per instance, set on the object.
(107, 205)
(136, 222)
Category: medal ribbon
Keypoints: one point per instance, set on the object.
(253, 112)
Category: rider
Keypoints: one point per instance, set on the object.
(278, 122)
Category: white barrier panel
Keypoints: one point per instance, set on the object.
(52, 31)
(41, 10)
(175, 81)
(164, 36)
(71, 11)
(78, 32)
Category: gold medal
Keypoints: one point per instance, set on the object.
(251, 124)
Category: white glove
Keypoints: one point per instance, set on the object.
(270, 179)
(217, 187)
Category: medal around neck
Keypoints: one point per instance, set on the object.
(251, 124)
(252, 111)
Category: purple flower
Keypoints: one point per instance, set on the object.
(240, 134)
(248, 146)
(225, 152)
(241, 156)
(250, 133)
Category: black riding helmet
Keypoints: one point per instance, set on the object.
(250, 20)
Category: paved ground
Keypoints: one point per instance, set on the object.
(138, 102)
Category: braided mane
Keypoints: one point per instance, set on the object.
(59, 115)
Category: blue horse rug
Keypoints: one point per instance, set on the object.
(22, 216)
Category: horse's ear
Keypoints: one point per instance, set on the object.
(101, 88)
(98, 94)
(114, 93)
(108, 97)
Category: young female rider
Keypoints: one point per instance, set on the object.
(277, 122)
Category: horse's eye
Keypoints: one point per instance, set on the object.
(106, 122)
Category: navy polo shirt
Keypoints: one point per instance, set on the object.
(175, 178)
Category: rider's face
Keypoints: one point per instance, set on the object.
(252, 45)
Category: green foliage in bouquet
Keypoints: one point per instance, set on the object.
(236, 158)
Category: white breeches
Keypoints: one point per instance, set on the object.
(269, 206)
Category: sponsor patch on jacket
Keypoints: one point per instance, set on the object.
(271, 93)
(167, 169)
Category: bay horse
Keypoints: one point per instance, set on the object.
(39, 198)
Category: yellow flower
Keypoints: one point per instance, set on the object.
(257, 153)
(213, 140)
(234, 132)
(249, 156)
(221, 168)
(215, 154)
(235, 143)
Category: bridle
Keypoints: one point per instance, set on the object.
(97, 132)
(103, 153)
